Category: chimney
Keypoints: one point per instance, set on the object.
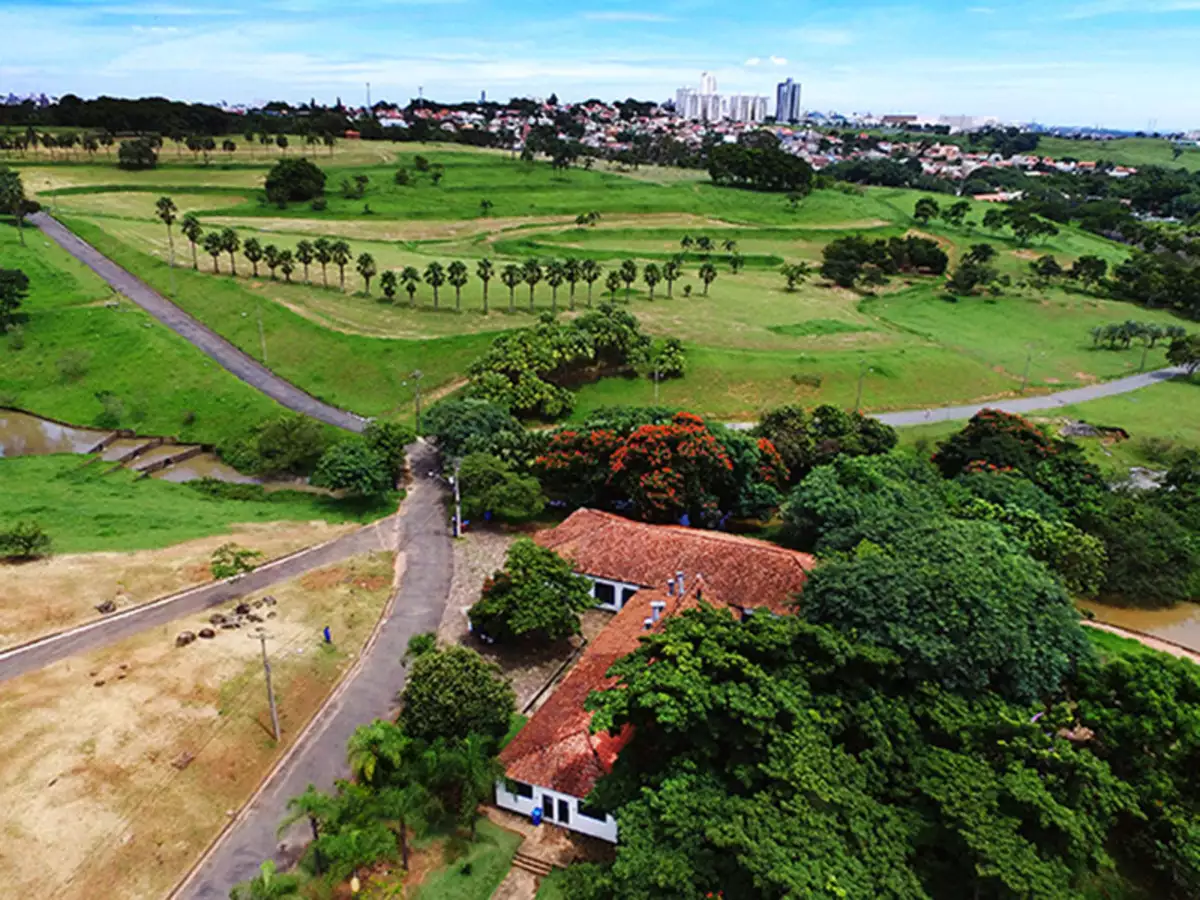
(679, 582)
(647, 623)
(670, 587)
(699, 585)
(657, 608)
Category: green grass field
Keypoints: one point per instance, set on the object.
(79, 340)
(476, 874)
(85, 510)
(1123, 151)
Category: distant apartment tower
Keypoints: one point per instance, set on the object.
(747, 108)
(708, 83)
(787, 102)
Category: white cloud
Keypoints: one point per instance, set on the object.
(753, 61)
(620, 16)
(778, 60)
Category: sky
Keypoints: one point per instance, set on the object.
(1131, 64)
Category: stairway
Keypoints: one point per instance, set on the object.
(532, 864)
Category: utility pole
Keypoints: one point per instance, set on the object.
(454, 479)
(262, 637)
(863, 369)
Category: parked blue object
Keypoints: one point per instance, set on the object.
(328, 636)
(536, 815)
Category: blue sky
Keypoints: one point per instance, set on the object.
(1120, 63)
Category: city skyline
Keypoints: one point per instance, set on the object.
(1114, 63)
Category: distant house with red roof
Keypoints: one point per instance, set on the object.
(646, 573)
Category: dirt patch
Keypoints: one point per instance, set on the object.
(64, 591)
(118, 767)
(1026, 254)
(324, 578)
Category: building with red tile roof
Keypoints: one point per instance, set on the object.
(555, 760)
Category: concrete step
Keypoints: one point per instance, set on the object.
(532, 864)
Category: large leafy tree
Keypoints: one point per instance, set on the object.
(490, 486)
(807, 440)
(14, 288)
(294, 180)
(963, 604)
(352, 466)
(536, 597)
(452, 693)
(12, 198)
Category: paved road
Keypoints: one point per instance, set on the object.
(1019, 405)
(243, 366)
(320, 756)
(38, 654)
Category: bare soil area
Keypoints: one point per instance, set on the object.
(118, 767)
(63, 591)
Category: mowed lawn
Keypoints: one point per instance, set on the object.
(85, 510)
(78, 340)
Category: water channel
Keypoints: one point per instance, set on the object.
(1180, 624)
(24, 434)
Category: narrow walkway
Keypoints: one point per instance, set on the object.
(1148, 640)
(40, 653)
(319, 755)
(205, 339)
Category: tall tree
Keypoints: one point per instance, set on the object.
(612, 283)
(671, 271)
(484, 272)
(511, 276)
(531, 273)
(305, 254)
(14, 288)
(230, 242)
(271, 256)
(556, 273)
(387, 284)
(214, 247)
(12, 198)
(458, 276)
(651, 274)
(590, 272)
(287, 264)
(410, 278)
(629, 274)
(253, 251)
(323, 251)
(435, 277)
(192, 230)
(366, 268)
(925, 209)
(166, 210)
(339, 255)
(708, 274)
(572, 271)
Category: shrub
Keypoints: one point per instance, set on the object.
(536, 597)
(489, 485)
(24, 540)
(139, 153)
(452, 693)
(355, 468)
(229, 560)
(390, 440)
(73, 364)
(294, 180)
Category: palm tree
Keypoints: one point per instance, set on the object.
(411, 807)
(214, 248)
(231, 242)
(478, 770)
(323, 252)
(629, 274)
(704, 244)
(304, 256)
(484, 272)
(531, 274)
(253, 251)
(366, 268)
(686, 243)
(167, 211)
(556, 274)
(319, 808)
(511, 276)
(457, 275)
(572, 271)
(435, 277)
(339, 255)
(329, 140)
(268, 884)
(282, 143)
(190, 226)
(651, 275)
(387, 284)
(670, 272)
(229, 147)
(613, 284)
(589, 271)
(287, 264)
(708, 274)
(795, 273)
(485, 206)
(410, 278)
(271, 256)
(729, 245)
(377, 750)
(736, 261)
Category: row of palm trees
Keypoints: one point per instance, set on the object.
(325, 252)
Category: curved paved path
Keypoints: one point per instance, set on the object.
(37, 654)
(319, 754)
(208, 341)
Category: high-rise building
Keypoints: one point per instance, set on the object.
(787, 102)
(708, 83)
(706, 105)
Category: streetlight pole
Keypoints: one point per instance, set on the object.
(262, 637)
(454, 480)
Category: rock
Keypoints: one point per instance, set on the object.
(183, 760)
(258, 604)
(242, 608)
(271, 614)
(99, 683)
(217, 619)
(106, 607)
(123, 666)
(231, 625)
(184, 638)
(254, 618)
(270, 601)
(207, 633)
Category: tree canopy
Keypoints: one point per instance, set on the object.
(536, 597)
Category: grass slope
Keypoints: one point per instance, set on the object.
(84, 510)
(476, 874)
(159, 378)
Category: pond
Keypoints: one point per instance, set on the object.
(22, 434)
(1180, 624)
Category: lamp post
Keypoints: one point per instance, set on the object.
(262, 636)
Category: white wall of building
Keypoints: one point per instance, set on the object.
(621, 592)
(604, 830)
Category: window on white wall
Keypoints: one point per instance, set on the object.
(585, 812)
(521, 789)
(606, 594)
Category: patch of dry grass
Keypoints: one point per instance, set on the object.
(118, 767)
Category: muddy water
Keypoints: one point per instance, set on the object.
(159, 453)
(207, 465)
(24, 435)
(1180, 625)
(119, 448)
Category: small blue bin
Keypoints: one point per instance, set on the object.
(536, 815)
